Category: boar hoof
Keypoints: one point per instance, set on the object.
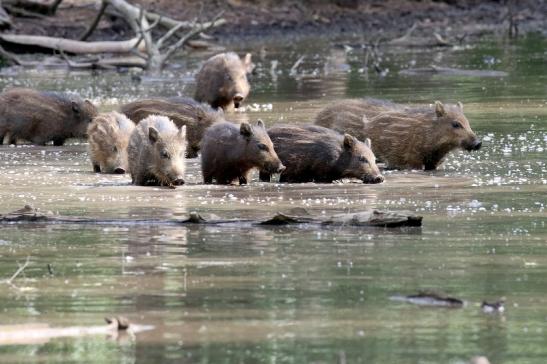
(119, 170)
(178, 182)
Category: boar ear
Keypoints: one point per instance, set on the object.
(460, 105)
(367, 143)
(75, 107)
(87, 101)
(245, 129)
(260, 124)
(182, 132)
(248, 63)
(439, 109)
(349, 141)
(153, 135)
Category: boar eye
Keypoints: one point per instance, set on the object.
(114, 149)
(165, 155)
(263, 147)
(363, 159)
(456, 125)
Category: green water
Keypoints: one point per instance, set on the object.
(287, 295)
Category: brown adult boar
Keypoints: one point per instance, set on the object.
(230, 152)
(312, 153)
(108, 136)
(222, 81)
(156, 152)
(40, 117)
(183, 111)
(403, 137)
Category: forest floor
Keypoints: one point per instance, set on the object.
(249, 20)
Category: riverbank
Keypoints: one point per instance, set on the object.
(454, 21)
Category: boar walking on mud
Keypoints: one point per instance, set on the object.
(222, 81)
(40, 117)
(315, 154)
(108, 136)
(182, 111)
(156, 152)
(403, 137)
(230, 152)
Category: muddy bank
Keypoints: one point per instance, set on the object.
(455, 20)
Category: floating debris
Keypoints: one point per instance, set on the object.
(430, 299)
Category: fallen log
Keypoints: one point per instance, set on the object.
(370, 218)
(72, 46)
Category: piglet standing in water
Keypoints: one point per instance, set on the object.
(403, 137)
(222, 81)
(183, 111)
(156, 152)
(40, 117)
(229, 152)
(108, 136)
(315, 154)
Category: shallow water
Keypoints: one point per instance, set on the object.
(294, 295)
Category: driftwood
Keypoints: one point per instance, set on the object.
(152, 52)
(371, 218)
(42, 333)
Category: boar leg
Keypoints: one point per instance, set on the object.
(96, 168)
(264, 176)
(207, 179)
(432, 161)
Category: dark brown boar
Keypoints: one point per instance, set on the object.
(403, 137)
(40, 117)
(156, 152)
(108, 136)
(222, 81)
(312, 153)
(230, 152)
(182, 111)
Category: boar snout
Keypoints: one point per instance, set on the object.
(373, 179)
(119, 170)
(476, 144)
(179, 181)
(281, 168)
(238, 99)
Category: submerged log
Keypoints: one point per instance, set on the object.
(41, 333)
(430, 299)
(371, 218)
(449, 71)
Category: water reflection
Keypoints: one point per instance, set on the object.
(295, 294)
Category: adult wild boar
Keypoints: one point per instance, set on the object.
(230, 152)
(40, 117)
(108, 136)
(156, 152)
(182, 111)
(312, 153)
(222, 81)
(403, 137)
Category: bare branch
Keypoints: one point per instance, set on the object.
(95, 22)
(18, 271)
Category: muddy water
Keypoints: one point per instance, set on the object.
(287, 295)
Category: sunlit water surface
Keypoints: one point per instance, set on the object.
(294, 295)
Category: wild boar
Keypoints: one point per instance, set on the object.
(108, 136)
(230, 152)
(222, 81)
(40, 117)
(182, 111)
(312, 153)
(156, 152)
(403, 137)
